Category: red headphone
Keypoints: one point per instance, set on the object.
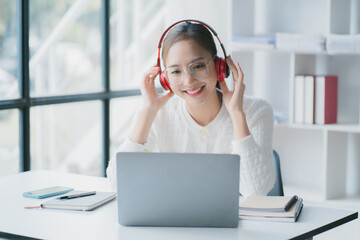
(222, 69)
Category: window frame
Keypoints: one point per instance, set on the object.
(25, 102)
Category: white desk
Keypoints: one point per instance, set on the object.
(102, 222)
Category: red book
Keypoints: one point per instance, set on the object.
(326, 96)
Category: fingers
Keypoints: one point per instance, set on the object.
(150, 75)
(232, 67)
(163, 99)
(223, 86)
(152, 72)
(167, 96)
(236, 70)
(239, 85)
(240, 73)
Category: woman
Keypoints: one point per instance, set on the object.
(195, 116)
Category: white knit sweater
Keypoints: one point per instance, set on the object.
(174, 130)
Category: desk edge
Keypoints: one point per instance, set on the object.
(327, 227)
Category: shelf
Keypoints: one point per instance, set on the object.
(315, 158)
(313, 196)
(234, 47)
(329, 127)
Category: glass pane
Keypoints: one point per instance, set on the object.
(9, 142)
(67, 137)
(135, 30)
(65, 47)
(9, 87)
(122, 111)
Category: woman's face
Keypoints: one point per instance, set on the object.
(195, 91)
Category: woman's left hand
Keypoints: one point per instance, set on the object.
(234, 99)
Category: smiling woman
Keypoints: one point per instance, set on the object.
(196, 92)
(195, 116)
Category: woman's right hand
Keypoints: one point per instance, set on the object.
(152, 100)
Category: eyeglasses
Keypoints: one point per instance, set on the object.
(199, 70)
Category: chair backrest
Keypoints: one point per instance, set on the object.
(278, 187)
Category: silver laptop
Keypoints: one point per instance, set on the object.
(178, 189)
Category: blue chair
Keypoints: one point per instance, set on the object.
(278, 187)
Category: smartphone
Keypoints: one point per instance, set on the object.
(47, 192)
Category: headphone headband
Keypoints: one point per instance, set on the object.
(188, 20)
(222, 69)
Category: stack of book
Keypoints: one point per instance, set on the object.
(333, 43)
(343, 43)
(271, 208)
(315, 99)
(255, 42)
(300, 42)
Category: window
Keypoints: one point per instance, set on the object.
(9, 141)
(122, 112)
(136, 27)
(55, 76)
(65, 47)
(9, 88)
(67, 137)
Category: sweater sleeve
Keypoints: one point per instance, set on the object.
(257, 173)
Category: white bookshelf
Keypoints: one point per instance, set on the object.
(235, 48)
(319, 162)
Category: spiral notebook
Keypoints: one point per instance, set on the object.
(87, 203)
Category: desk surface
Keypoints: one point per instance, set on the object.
(102, 223)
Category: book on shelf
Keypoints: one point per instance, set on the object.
(299, 99)
(300, 42)
(254, 42)
(309, 99)
(315, 99)
(326, 96)
(343, 43)
(261, 205)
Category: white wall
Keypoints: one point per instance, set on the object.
(215, 13)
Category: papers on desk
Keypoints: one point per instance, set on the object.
(271, 208)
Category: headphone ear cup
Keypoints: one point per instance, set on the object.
(217, 67)
(164, 82)
(222, 69)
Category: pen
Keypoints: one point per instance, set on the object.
(78, 195)
(291, 202)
